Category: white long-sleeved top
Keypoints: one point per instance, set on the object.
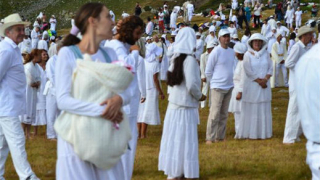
(65, 65)
(257, 10)
(34, 39)
(284, 31)
(256, 65)
(296, 52)
(307, 77)
(291, 43)
(12, 80)
(188, 93)
(219, 70)
(298, 15)
(289, 16)
(53, 24)
(272, 23)
(50, 71)
(203, 64)
(278, 52)
(232, 31)
(123, 52)
(265, 29)
(238, 76)
(199, 49)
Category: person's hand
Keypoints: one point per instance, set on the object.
(112, 111)
(162, 96)
(203, 97)
(142, 100)
(239, 96)
(282, 62)
(263, 85)
(204, 80)
(134, 47)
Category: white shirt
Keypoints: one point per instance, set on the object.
(65, 65)
(34, 39)
(50, 71)
(297, 51)
(12, 80)
(298, 15)
(161, 16)
(219, 68)
(265, 29)
(190, 8)
(307, 76)
(244, 39)
(42, 44)
(272, 23)
(149, 28)
(232, 31)
(53, 24)
(284, 31)
(199, 49)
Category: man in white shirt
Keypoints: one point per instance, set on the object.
(219, 73)
(199, 46)
(293, 128)
(272, 22)
(13, 98)
(278, 55)
(53, 23)
(128, 52)
(307, 73)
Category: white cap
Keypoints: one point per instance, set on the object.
(240, 48)
(235, 36)
(148, 38)
(52, 38)
(278, 22)
(223, 32)
(273, 28)
(212, 29)
(213, 43)
(198, 34)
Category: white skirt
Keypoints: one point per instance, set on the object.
(149, 110)
(235, 105)
(179, 143)
(71, 167)
(256, 121)
(41, 118)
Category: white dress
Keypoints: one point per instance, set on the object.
(256, 117)
(164, 64)
(173, 20)
(32, 75)
(235, 105)
(289, 15)
(179, 143)
(69, 165)
(41, 115)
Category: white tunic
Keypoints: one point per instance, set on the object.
(25, 45)
(298, 15)
(173, 20)
(289, 15)
(41, 118)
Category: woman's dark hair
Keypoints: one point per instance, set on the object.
(34, 53)
(293, 36)
(247, 32)
(173, 38)
(163, 40)
(127, 28)
(81, 21)
(176, 76)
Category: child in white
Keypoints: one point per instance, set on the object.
(298, 14)
(235, 102)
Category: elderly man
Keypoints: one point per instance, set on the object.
(219, 73)
(307, 73)
(12, 98)
(293, 128)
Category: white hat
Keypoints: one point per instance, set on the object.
(235, 36)
(278, 34)
(213, 21)
(11, 20)
(24, 51)
(273, 28)
(185, 41)
(148, 38)
(198, 34)
(240, 48)
(164, 36)
(213, 43)
(271, 16)
(52, 38)
(278, 22)
(53, 16)
(257, 36)
(304, 30)
(223, 32)
(212, 29)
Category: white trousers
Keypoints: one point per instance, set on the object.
(298, 23)
(237, 117)
(206, 92)
(292, 129)
(283, 69)
(313, 159)
(127, 159)
(12, 138)
(190, 14)
(52, 114)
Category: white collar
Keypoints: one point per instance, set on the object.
(10, 41)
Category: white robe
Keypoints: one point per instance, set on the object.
(41, 115)
(199, 49)
(173, 20)
(34, 39)
(289, 16)
(278, 80)
(32, 75)
(205, 85)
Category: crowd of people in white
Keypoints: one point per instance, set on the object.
(46, 80)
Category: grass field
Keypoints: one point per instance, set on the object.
(230, 160)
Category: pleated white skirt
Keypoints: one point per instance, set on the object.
(179, 143)
(71, 167)
(256, 121)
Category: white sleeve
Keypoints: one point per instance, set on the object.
(4, 64)
(34, 35)
(247, 67)
(202, 66)
(293, 57)
(212, 59)
(192, 77)
(141, 77)
(65, 101)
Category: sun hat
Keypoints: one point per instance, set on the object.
(278, 22)
(240, 48)
(212, 29)
(304, 30)
(11, 20)
(213, 43)
(148, 38)
(257, 36)
(223, 32)
(198, 34)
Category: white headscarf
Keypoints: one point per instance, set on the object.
(185, 42)
(152, 52)
(257, 36)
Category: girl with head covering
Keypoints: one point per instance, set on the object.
(235, 102)
(149, 109)
(178, 155)
(256, 117)
(82, 68)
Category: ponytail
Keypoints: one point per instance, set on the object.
(176, 76)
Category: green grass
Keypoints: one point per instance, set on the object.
(230, 160)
